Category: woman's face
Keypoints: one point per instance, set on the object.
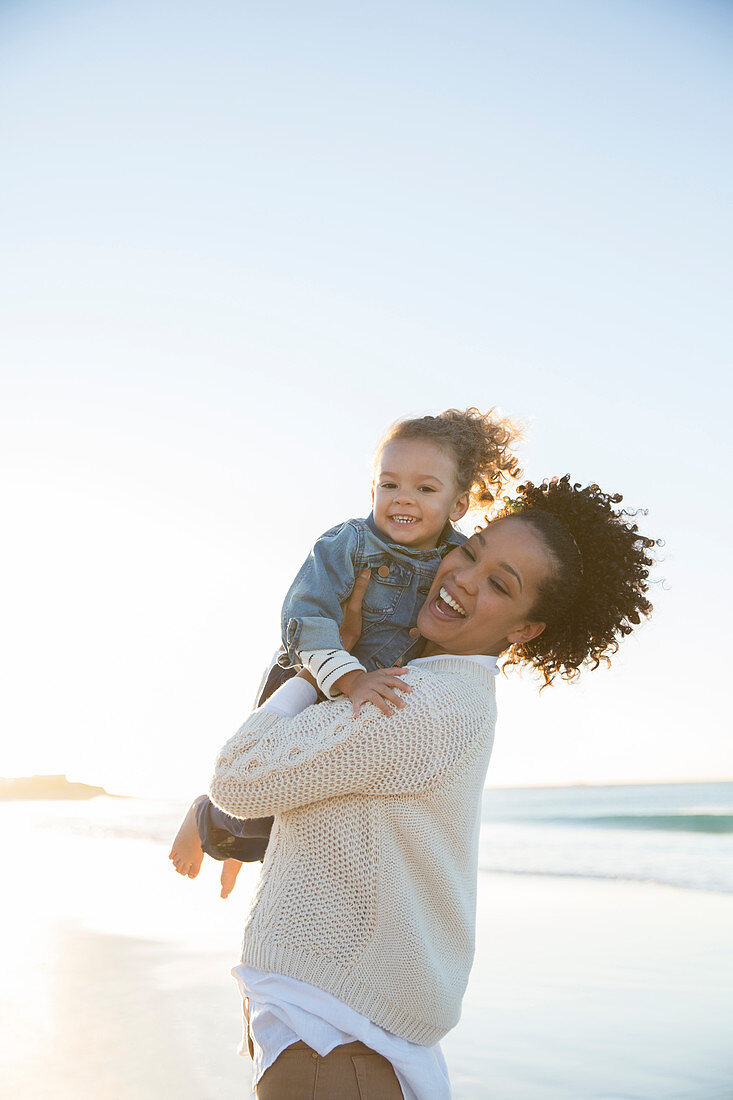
(482, 597)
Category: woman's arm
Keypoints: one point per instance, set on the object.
(274, 764)
(224, 837)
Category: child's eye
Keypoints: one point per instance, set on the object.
(426, 489)
(387, 485)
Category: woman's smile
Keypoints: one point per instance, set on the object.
(448, 606)
(443, 605)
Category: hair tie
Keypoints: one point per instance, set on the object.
(580, 556)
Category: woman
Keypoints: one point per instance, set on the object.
(360, 938)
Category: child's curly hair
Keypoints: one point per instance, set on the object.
(596, 592)
(478, 443)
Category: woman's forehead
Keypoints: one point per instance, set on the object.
(510, 534)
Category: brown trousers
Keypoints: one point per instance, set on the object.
(350, 1072)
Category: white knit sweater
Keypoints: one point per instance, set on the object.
(368, 888)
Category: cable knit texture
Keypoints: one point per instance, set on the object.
(368, 888)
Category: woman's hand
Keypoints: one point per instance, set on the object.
(351, 626)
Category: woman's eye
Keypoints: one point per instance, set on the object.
(468, 552)
(498, 587)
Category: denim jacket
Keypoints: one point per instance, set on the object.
(401, 578)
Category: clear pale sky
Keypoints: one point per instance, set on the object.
(239, 240)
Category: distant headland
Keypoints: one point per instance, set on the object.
(47, 787)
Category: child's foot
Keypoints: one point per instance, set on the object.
(187, 854)
(229, 871)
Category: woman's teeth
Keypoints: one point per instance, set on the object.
(403, 519)
(447, 598)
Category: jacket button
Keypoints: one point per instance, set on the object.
(414, 632)
(383, 571)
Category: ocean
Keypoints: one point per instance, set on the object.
(677, 834)
(603, 968)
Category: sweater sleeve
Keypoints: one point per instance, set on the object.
(328, 666)
(274, 764)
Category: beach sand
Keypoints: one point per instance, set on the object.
(116, 986)
(596, 990)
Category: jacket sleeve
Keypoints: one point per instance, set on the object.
(311, 614)
(275, 764)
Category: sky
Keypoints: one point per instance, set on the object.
(240, 240)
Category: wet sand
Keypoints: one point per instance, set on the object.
(116, 985)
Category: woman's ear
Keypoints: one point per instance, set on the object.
(459, 508)
(525, 633)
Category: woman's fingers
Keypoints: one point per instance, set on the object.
(351, 625)
(360, 586)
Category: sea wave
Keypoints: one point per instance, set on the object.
(679, 822)
(713, 884)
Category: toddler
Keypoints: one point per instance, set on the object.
(427, 473)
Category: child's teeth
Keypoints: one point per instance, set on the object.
(447, 598)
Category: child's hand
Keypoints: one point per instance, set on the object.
(376, 687)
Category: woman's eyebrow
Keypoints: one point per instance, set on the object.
(505, 565)
(502, 564)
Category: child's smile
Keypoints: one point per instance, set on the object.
(415, 493)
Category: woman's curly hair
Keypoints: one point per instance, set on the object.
(479, 444)
(596, 592)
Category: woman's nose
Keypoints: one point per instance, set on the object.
(467, 579)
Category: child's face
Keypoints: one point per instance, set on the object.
(414, 493)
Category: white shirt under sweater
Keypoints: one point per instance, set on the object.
(283, 1010)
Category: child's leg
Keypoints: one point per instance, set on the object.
(187, 853)
(230, 868)
(207, 829)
